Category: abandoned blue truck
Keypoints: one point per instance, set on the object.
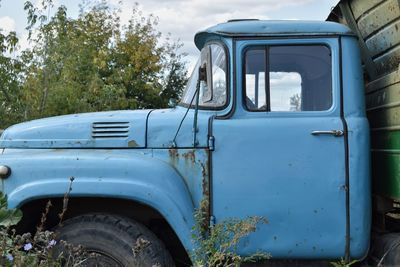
(272, 123)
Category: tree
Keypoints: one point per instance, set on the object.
(295, 102)
(10, 71)
(93, 63)
(176, 75)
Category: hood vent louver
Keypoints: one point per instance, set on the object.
(110, 129)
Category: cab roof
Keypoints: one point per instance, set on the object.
(255, 28)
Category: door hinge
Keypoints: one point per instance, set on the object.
(212, 221)
(211, 143)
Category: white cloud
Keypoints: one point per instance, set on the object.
(24, 43)
(7, 24)
(183, 18)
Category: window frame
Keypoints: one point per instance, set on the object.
(266, 48)
(266, 77)
(228, 91)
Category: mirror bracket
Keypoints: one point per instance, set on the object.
(203, 73)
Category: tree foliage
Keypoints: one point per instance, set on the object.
(89, 63)
(10, 71)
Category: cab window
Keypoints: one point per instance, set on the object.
(288, 78)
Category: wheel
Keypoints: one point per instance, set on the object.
(115, 240)
(386, 249)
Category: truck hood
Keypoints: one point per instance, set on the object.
(116, 129)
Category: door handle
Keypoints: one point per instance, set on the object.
(335, 133)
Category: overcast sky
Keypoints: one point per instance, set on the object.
(183, 18)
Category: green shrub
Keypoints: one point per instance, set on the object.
(217, 246)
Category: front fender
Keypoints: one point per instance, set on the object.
(127, 174)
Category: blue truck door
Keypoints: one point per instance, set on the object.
(281, 154)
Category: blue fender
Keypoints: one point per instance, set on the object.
(128, 174)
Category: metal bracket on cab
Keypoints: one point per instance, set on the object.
(211, 143)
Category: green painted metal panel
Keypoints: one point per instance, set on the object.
(383, 107)
(385, 117)
(383, 110)
(386, 173)
(385, 141)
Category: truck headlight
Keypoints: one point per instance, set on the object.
(5, 171)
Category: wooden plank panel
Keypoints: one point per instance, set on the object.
(384, 98)
(369, 65)
(385, 39)
(383, 82)
(389, 61)
(378, 17)
(359, 7)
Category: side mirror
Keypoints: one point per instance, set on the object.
(205, 75)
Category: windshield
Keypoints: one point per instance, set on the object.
(213, 93)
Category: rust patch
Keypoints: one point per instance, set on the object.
(173, 155)
(190, 156)
(132, 143)
(204, 217)
(205, 180)
(205, 177)
(195, 165)
(205, 203)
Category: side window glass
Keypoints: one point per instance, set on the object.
(255, 80)
(218, 74)
(299, 78)
(285, 91)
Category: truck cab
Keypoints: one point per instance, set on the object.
(272, 123)
(293, 144)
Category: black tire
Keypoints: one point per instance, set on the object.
(113, 239)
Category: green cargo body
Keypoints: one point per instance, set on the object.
(383, 109)
(377, 24)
